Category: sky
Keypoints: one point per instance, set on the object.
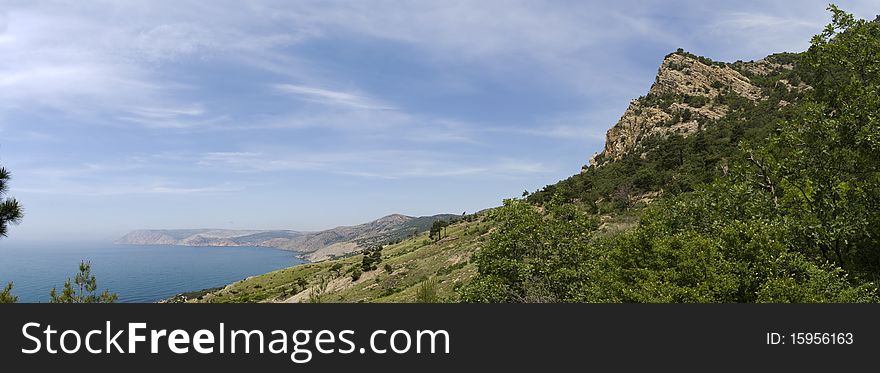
(308, 115)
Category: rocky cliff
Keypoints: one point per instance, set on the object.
(688, 93)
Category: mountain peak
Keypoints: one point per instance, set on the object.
(395, 216)
(684, 97)
(393, 219)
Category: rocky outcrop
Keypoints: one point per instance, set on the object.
(762, 67)
(687, 93)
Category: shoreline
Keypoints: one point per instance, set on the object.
(197, 294)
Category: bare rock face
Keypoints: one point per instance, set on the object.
(684, 97)
(636, 122)
(684, 75)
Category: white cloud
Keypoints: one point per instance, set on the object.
(741, 21)
(153, 174)
(104, 61)
(378, 123)
(582, 127)
(756, 34)
(193, 117)
(124, 189)
(168, 113)
(85, 59)
(563, 43)
(52, 63)
(571, 132)
(169, 42)
(387, 164)
(256, 162)
(4, 21)
(332, 98)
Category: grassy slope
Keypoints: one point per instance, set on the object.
(412, 260)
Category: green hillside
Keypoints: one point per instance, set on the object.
(792, 216)
(412, 263)
(744, 182)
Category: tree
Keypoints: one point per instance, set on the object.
(10, 213)
(6, 295)
(82, 290)
(336, 269)
(532, 256)
(427, 292)
(824, 165)
(316, 294)
(438, 228)
(10, 210)
(301, 283)
(372, 258)
(723, 243)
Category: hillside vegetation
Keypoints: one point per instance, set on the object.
(744, 182)
(420, 269)
(791, 216)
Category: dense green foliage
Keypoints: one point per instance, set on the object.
(372, 258)
(825, 164)
(722, 243)
(773, 203)
(533, 256)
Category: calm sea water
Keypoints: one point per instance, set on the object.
(137, 273)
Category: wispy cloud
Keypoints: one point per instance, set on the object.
(153, 174)
(332, 98)
(378, 124)
(392, 99)
(86, 62)
(124, 189)
(763, 22)
(258, 162)
(171, 42)
(168, 112)
(583, 127)
(761, 32)
(387, 164)
(570, 132)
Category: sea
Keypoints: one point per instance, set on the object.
(137, 273)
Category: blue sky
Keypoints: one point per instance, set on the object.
(312, 114)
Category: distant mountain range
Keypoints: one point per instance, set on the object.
(313, 246)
